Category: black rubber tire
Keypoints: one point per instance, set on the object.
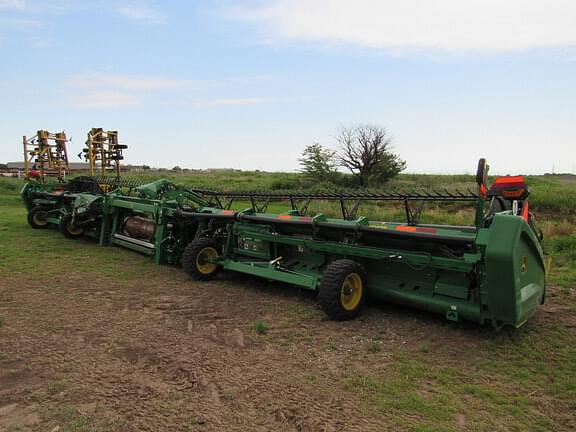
(500, 204)
(66, 228)
(34, 217)
(481, 172)
(190, 259)
(329, 292)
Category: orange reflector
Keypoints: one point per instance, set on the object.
(525, 211)
(285, 217)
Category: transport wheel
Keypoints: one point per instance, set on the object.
(343, 290)
(196, 259)
(37, 217)
(67, 228)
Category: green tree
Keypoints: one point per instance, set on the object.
(365, 150)
(318, 162)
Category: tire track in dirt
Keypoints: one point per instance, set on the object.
(182, 348)
(165, 353)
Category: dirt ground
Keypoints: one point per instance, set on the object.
(162, 352)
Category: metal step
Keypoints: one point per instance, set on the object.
(134, 241)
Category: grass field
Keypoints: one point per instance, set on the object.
(95, 339)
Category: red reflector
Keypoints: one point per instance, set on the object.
(285, 217)
(228, 212)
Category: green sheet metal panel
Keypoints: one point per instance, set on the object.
(452, 284)
(514, 284)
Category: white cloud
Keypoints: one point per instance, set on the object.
(13, 4)
(109, 90)
(239, 101)
(98, 81)
(142, 13)
(24, 25)
(441, 25)
(126, 82)
(105, 99)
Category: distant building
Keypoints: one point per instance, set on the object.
(221, 170)
(76, 166)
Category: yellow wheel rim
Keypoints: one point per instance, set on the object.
(351, 291)
(40, 218)
(204, 258)
(73, 229)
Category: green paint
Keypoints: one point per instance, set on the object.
(490, 273)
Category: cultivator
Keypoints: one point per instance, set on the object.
(45, 153)
(53, 203)
(103, 152)
(491, 272)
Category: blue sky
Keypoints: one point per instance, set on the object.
(248, 84)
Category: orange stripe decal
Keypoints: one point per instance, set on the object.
(406, 228)
(427, 230)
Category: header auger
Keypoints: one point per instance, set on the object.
(491, 272)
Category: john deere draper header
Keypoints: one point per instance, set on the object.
(491, 272)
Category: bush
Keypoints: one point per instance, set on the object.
(286, 184)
